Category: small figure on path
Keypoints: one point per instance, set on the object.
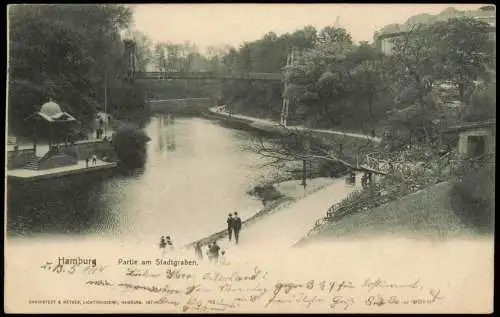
(236, 227)
(97, 127)
(94, 160)
(364, 179)
(87, 162)
(169, 243)
(230, 222)
(210, 255)
(197, 251)
(351, 178)
(223, 259)
(391, 167)
(163, 244)
(213, 252)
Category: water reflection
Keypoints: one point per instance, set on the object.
(196, 173)
(166, 133)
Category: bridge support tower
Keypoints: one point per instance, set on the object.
(286, 100)
(130, 54)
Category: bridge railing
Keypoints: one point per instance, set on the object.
(208, 75)
(401, 160)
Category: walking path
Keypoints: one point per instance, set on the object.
(273, 123)
(282, 229)
(79, 167)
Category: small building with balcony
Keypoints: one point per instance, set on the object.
(475, 139)
(52, 123)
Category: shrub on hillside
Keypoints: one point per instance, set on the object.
(473, 198)
(483, 103)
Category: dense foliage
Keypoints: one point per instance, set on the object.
(129, 143)
(457, 54)
(336, 83)
(473, 198)
(67, 52)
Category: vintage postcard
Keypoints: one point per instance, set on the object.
(250, 158)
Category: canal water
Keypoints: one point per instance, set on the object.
(196, 173)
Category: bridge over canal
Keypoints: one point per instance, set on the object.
(198, 105)
(147, 76)
(130, 50)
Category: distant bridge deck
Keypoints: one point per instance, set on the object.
(208, 76)
(179, 100)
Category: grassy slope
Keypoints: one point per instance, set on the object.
(425, 214)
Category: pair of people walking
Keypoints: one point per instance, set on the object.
(234, 225)
(164, 243)
(366, 180)
(93, 158)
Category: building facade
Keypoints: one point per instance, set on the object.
(475, 139)
(487, 14)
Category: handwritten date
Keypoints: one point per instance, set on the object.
(72, 268)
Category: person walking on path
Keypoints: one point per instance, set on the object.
(163, 244)
(197, 251)
(169, 243)
(230, 223)
(87, 162)
(236, 227)
(94, 160)
(364, 179)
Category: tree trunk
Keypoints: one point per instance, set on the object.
(370, 113)
(461, 91)
(304, 173)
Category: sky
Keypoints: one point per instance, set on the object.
(233, 24)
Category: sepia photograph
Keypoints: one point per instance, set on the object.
(250, 158)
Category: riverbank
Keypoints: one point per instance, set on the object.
(25, 175)
(285, 194)
(272, 126)
(278, 191)
(425, 214)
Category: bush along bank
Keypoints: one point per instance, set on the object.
(129, 143)
(267, 191)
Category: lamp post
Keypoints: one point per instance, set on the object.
(304, 163)
(105, 99)
(304, 173)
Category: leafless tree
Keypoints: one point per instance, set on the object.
(294, 144)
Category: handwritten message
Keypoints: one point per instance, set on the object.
(185, 287)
